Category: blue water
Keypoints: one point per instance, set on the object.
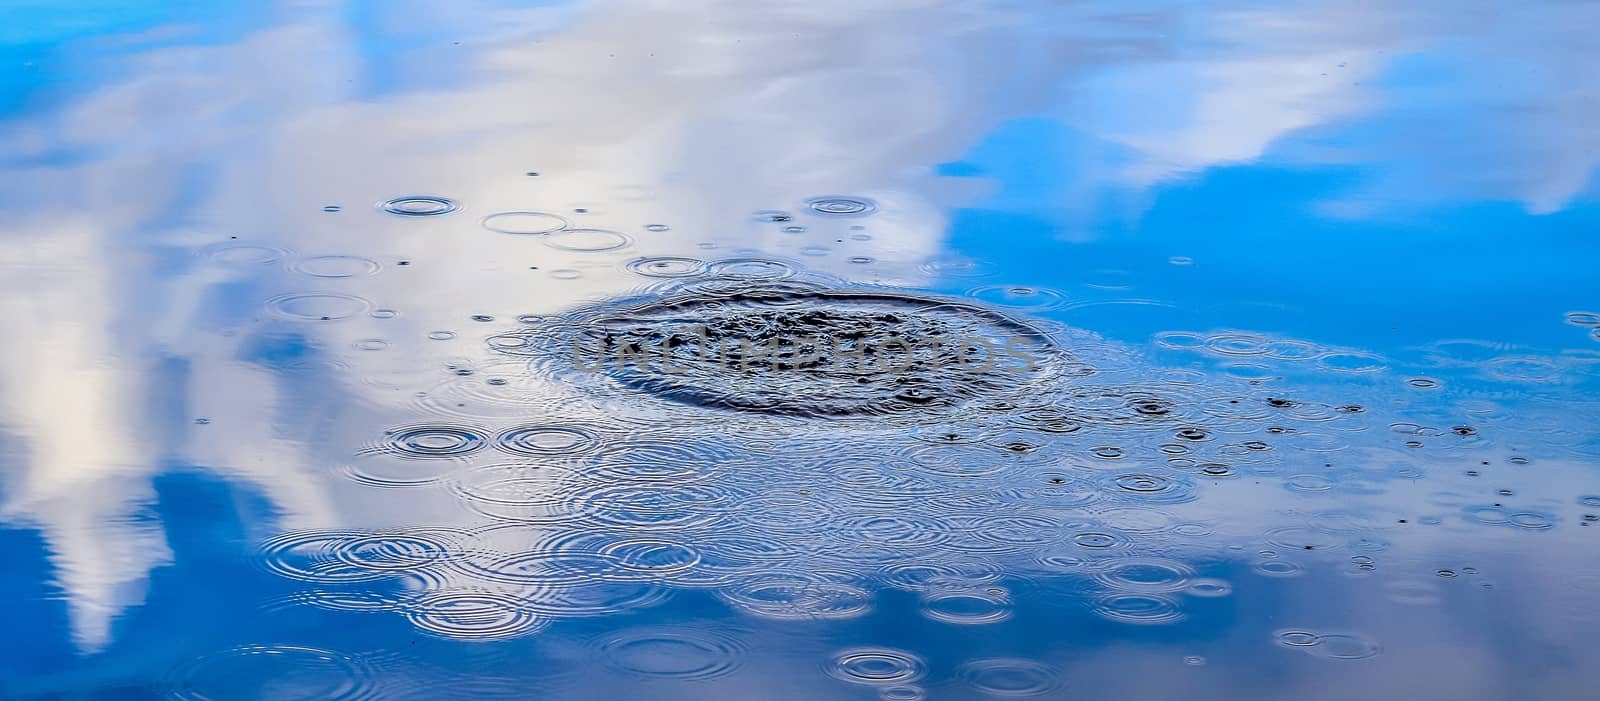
(1314, 415)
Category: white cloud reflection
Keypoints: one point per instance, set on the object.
(655, 115)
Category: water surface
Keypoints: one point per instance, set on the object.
(291, 409)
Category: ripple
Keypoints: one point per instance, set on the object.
(751, 269)
(397, 551)
(587, 240)
(435, 441)
(1278, 568)
(1295, 638)
(795, 596)
(1296, 538)
(538, 441)
(1032, 298)
(1152, 487)
(518, 492)
(474, 616)
(1583, 318)
(1009, 677)
(1209, 588)
(1142, 609)
(1309, 483)
(532, 223)
(876, 666)
(286, 672)
(1339, 646)
(240, 254)
(337, 266)
(897, 533)
(313, 556)
(672, 653)
(384, 469)
(746, 348)
(1146, 575)
(1345, 646)
(925, 576)
(317, 306)
(419, 206)
(668, 267)
(839, 206)
(1098, 541)
(1352, 362)
(966, 607)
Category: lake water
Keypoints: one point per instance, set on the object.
(792, 351)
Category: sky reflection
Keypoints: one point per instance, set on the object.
(1339, 203)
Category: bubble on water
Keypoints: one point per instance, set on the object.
(1583, 318)
(474, 616)
(679, 653)
(966, 607)
(1592, 501)
(1194, 661)
(419, 206)
(441, 335)
(657, 228)
(1009, 677)
(435, 441)
(668, 267)
(287, 672)
(839, 206)
(773, 216)
(337, 266)
(862, 260)
(317, 306)
(586, 240)
(384, 314)
(1423, 383)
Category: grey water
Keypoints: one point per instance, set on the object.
(888, 351)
